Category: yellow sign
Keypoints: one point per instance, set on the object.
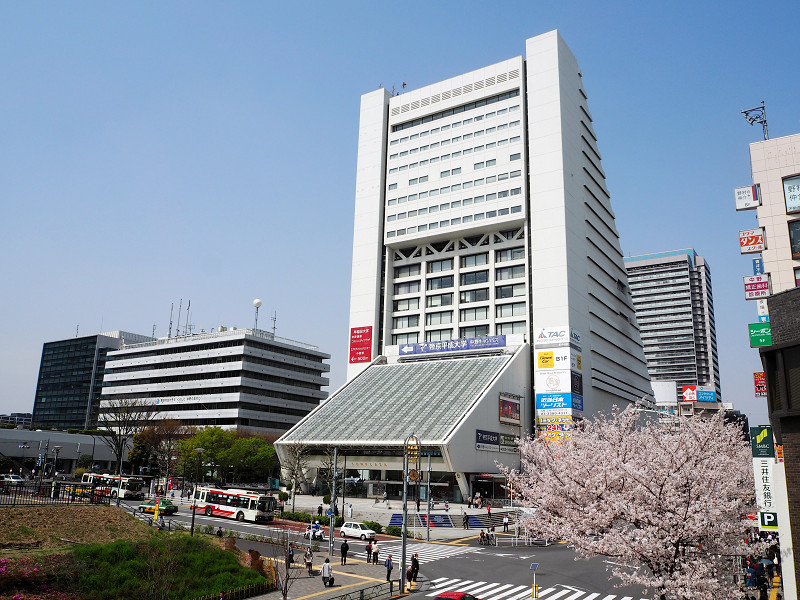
(546, 360)
(578, 362)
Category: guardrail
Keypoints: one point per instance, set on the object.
(244, 592)
(381, 591)
(50, 492)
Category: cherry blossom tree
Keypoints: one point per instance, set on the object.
(664, 502)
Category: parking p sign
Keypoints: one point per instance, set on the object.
(767, 521)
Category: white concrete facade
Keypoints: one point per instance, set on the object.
(772, 162)
(482, 209)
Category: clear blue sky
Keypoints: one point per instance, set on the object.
(155, 151)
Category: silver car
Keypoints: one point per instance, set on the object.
(356, 530)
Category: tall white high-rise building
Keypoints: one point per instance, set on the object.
(489, 296)
(482, 209)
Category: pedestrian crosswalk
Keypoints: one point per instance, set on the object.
(507, 591)
(427, 552)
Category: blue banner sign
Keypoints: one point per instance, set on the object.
(492, 341)
(758, 266)
(556, 400)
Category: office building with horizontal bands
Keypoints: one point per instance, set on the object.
(482, 215)
(243, 379)
(70, 379)
(674, 305)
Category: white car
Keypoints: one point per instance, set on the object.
(357, 530)
(13, 480)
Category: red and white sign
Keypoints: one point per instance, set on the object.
(760, 382)
(756, 286)
(751, 240)
(360, 344)
(689, 393)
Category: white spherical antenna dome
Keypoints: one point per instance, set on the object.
(257, 302)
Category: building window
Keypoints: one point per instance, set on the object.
(509, 328)
(440, 283)
(791, 193)
(437, 266)
(480, 313)
(407, 304)
(473, 332)
(516, 309)
(475, 260)
(480, 295)
(509, 291)
(474, 277)
(794, 238)
(404, 322)
(439, 318)
(438, 335)
(405, 338)
(439, 300)
(409, 287)
(515, 156)
(509, 254)
(392, 186)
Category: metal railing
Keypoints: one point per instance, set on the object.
(381, 591)
(196, 337)
(50, 492)
(249, 591)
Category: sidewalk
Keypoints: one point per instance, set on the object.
(352, 577)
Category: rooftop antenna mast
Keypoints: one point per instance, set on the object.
(757, 115)
(274, 321)
(186, 330)
(77, 328)
(178, 326)
(154, 330)
(171, 308)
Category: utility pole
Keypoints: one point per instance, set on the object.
(333, 503)
(410, 472)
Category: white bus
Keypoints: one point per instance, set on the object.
(108, 485)
(241, 505)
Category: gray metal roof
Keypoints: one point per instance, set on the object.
(386, 403)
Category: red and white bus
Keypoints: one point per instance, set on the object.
(108, 485)
(242, 505)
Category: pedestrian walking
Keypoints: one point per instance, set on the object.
(389, 566)
(345, 548)
(417, 504)
(375, 551)
(319, 510)
(369, 552)
(465, 521)
(492, 537)
(327, 572)
(414, 567)
(469, 501)
(308, 557)
(291, 554)
(489, 510)
(505, 523)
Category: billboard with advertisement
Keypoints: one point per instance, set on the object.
(490, 341)
(555, 400)
(751, 240)
(747, 197)
(760, 383)
(761, 441)
(791, 193)
(487, 440)
(508, 443)
(699, 393)
(360, 344)
(510, 409)
(547, 382)
(756, 286)
(553, 412)
(760, 334)
(558, 358)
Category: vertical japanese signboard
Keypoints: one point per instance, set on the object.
(756, 286)
(763, 458)
(751, 241)
(791, 193)
(360, 344)
(747, 197)
(760, 382)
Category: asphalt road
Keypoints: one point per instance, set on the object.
(503, 564)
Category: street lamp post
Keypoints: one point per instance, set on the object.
(194, 491)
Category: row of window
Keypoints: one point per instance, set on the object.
(479, 313)
(473, 331)
(457, 110)
(457, 154)
(470, 278)
(467, 184)
(471, 260)
(457, 221)
(455, 139)
(454, 204)
(514, 290)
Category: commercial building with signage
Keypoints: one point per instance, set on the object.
(482, 213)
(675, 310)
(243, 379)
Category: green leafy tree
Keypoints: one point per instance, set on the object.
(252, 459)
(85, 461)
(215, 442)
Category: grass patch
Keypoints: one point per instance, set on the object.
(20, 532)
(176, 567)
